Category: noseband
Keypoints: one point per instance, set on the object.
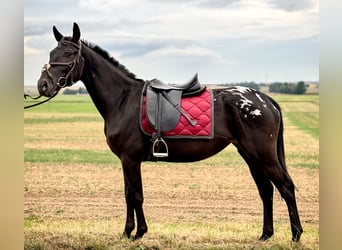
(63, 80)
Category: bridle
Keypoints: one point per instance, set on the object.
(63, 80)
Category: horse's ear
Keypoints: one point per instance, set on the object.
(57, 34)
(76, 33)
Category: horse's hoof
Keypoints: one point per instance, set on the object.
(264, 237)
(296, 237)
(137, 237)
(124, 236)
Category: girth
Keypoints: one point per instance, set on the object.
(163, 108)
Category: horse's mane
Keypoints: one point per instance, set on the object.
(110, 59)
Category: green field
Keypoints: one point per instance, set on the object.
(74, 196)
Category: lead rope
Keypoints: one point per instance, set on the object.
(35, 98)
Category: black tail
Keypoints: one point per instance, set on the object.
(280, 142)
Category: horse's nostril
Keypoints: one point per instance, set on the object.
(44, 85)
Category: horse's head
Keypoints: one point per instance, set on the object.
(65, 66)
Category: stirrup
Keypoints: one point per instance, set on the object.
(156, 145)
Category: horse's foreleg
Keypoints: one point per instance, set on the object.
(129, 226)
(134, 198)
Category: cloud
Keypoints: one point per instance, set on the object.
(192, 52)
(31, 51)
(201, 3)
(214, 3)
(32, 30)
(194, 19)
(294, 5)
(114, 6)
(214, 36)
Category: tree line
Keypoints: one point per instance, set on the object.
(298, 88)
(288, 88)
(80, 90)
(252, 85)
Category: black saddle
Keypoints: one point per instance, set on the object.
(163, 108)
(189, 87)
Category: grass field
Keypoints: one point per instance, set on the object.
(74, 193)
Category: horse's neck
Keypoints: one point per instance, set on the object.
(108, 88)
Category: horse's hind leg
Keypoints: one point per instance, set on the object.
(266, 189)
(265, 160)
(285, 185)
(266, 168)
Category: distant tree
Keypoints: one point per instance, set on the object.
(252, 85)
(70, 92)
(82, 91)
(300, 88)
(276, 87)
(288, 88)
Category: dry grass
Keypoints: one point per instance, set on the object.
(186, 206)
(213, 204)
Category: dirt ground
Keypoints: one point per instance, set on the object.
(178, 192)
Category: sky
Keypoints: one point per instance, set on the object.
(224, 41)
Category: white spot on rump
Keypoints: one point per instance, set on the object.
(262, 100)
(245, 102)
(242, 89)
(259, 97)
(255, 112)
(239, 90)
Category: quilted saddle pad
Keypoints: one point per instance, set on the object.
(199, 108)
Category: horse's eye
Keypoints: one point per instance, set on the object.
(68, 53)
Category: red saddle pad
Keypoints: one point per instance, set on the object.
(199, 108)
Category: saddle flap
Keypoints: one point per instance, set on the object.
(169, 114)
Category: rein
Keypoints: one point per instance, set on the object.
(38, 103)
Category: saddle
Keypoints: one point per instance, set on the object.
(163, 108)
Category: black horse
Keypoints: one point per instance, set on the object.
(248, 119)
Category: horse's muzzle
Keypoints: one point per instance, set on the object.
(45, 88)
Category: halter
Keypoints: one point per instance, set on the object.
(63, 80)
